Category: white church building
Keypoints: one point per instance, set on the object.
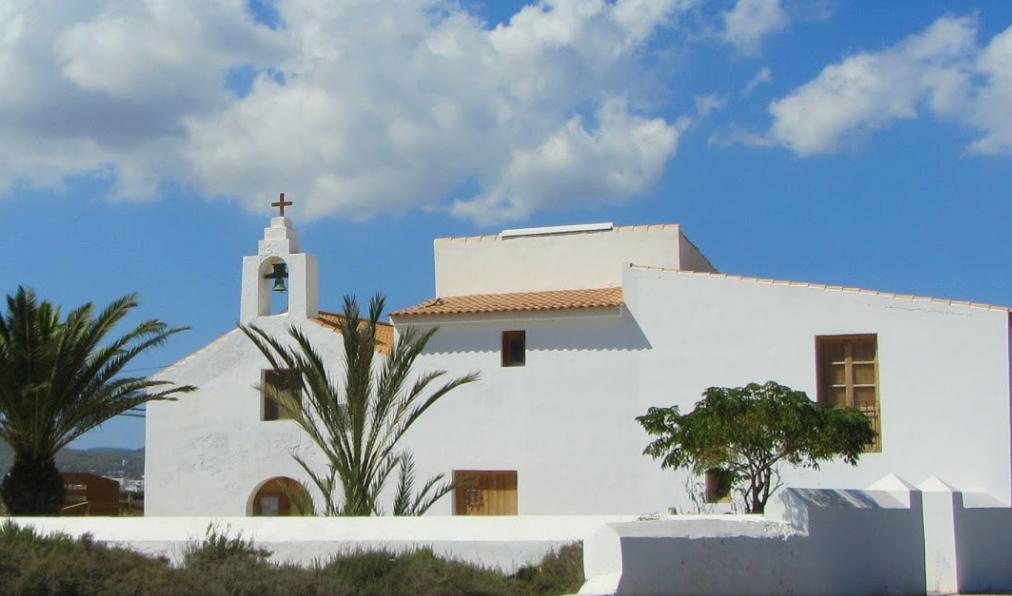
(576, 330)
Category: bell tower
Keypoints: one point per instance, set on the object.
(279, 266)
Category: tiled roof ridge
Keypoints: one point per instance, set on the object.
(384, 331)
(526, 292)
(627, 228)
(329, 313)
(550, 300)
(829, 287)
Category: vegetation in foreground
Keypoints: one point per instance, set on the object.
(59, 564)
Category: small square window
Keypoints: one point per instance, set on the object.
(718, 486)
(514, 348)
(285, 380)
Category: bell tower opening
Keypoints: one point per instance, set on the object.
(274, 287)
(280, 279)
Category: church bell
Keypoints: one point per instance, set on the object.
(278, 275)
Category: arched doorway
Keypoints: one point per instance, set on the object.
(275, 498)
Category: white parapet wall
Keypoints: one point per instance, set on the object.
(892, 538)
(895, 539)
(558, 258)
(507, 543)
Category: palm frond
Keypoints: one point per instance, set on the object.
(358, 422)
(59, 380)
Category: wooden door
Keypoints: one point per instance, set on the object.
(485, 492)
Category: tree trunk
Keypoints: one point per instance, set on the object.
(32, 487)
(759, 485)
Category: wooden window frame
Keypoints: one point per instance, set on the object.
(281, 488)
(470, 488)
(507, 337)
(850, 385)
(268, 405)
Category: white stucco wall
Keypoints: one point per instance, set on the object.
(826, 542)
(893, 538)
(495, 264)
(560, 421)
(565, 421)
(209, 452)
(690, 258)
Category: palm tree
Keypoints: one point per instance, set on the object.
(57, 382)
(357, 426)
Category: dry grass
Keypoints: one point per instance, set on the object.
(221, 564)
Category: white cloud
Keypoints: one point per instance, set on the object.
(763, 76)
(735, 135)
(622, 157)
(941, 71)
(750, 21)
(379, 107)
(706, 104)
(990, 111)
(103, 86)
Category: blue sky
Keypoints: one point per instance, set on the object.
(856, 143)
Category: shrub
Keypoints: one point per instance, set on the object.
(560, 572)
(218, 547)
(32, 563)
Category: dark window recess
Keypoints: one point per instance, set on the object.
(514, 348)
(718, 486)
(285, 380)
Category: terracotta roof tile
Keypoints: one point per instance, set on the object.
(384, 331)
(554, 300)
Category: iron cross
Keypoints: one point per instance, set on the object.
(281, 204)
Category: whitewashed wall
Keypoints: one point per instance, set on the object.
(892, 539)
(495, 264)
(813, 541)
(209, 452)
(943, 368)
(565, 421)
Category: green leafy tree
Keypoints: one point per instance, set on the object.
(358, 424)
(749, 432)
(57, 382)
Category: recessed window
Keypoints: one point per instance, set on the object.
(284, 380)
(281, 496)
(718, 486)
(514, 348)
(848, 376)
(485, 492)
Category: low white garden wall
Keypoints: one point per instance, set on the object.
(891, 539)
(504, 542)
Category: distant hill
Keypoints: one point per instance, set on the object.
(106, 461)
